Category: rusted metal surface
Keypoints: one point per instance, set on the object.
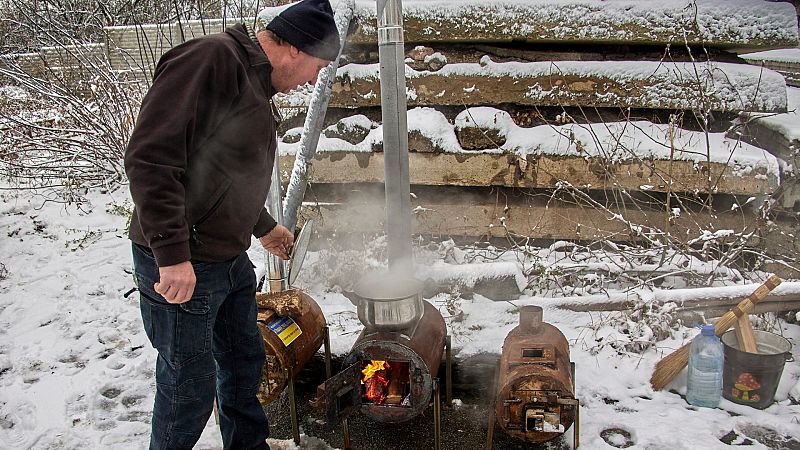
(294, 356)
(535, 399)
(421, 347)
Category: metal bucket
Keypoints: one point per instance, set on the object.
(389, 302)
(749, 378)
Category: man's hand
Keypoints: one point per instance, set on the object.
(278, 241)
(176, 283)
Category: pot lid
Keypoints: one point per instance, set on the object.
(298, 253)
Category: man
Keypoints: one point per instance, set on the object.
(199, 163)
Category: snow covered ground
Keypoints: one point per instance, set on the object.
(76, 369)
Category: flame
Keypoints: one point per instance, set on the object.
(376, 380)
(372, 368)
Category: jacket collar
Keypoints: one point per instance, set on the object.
(255, 54)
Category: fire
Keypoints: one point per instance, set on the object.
(376, 380)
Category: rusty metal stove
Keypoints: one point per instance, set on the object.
(413, 354)
(535, 398)
(390, 373)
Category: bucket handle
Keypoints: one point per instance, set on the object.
(788, 357)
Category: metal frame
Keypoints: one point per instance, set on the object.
(289, 373)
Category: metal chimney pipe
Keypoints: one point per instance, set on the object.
(276, 268)
(296, 190)
(530, 319)
(391, 56)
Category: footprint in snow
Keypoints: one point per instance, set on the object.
(18, 424)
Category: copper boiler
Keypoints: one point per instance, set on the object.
(291, 335)
(535, 399)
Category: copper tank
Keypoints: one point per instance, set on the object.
(535, 399)
(310, 321)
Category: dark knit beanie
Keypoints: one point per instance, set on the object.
(309, 26)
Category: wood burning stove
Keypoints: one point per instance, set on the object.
(409, 361)
(535, 397)
(390, 373)
(289, 342)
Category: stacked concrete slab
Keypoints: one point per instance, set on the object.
(555, 119)
(509, 102)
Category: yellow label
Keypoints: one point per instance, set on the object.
(286, 329)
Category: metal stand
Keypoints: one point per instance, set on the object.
(449, 372)
(490, 425)
(326, 336)
(326, 340)
(292, 406)
(346, 433)
(437, 415)
(576, 427)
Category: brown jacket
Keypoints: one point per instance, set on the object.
(200, 157)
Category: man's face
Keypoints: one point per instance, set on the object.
(301, 69)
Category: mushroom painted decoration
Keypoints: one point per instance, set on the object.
(743, 387)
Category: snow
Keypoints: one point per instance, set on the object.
(432, 124)
(485, 117)
(785, 55)
(357, 121)
(716, 20)
(615, 141)
(76, 369)
(786, 124)
(730, 86)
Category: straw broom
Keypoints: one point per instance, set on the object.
(671, 365)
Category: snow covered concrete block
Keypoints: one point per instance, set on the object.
(497, 281)
(476, 212)
(352, 129)
(612, 155)
(482, 128)
(785, 61)
(715, 86)
(731, 24)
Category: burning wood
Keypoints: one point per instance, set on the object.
(376, 381)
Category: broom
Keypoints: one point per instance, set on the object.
(671, 365)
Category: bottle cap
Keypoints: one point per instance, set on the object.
(708, 330)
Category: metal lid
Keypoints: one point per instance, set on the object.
(298, 253)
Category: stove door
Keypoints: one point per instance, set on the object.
(340, 395)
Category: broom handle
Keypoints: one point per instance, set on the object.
(745, 306)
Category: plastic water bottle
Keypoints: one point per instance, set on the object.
(705, 369)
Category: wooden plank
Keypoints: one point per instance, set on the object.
(744, 334)
(545, 171)
(601, 84)
(490, 212)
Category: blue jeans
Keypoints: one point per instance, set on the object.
(209, 346)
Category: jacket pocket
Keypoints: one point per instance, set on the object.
(197, 215)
